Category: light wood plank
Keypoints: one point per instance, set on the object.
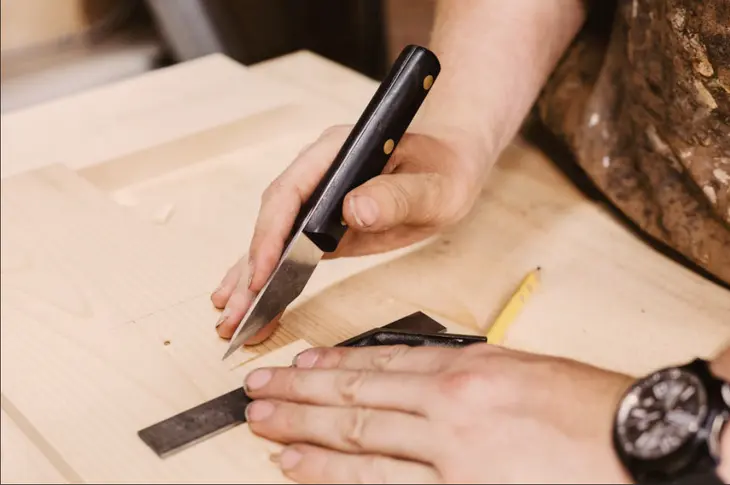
(21, 461)
(319, 76)
(631, 317)
(117, 331)
(107, 383)
(136, 114)
(67, 245)
(207, 197)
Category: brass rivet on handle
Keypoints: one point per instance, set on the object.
(388, 147)
(428, 82)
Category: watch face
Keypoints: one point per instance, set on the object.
(661, 413)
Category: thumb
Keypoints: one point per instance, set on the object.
(390, 200)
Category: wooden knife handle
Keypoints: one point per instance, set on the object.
(370, 144)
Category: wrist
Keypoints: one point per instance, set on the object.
(670, 425)
(474, 145)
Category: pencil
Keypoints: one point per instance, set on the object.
(498, 330)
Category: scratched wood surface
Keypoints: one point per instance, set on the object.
(116, 230)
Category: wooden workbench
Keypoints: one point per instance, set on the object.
(122, 208)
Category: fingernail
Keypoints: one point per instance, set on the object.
(257, 379)
(258, 411)
(250, 272)
(226, 313)
(365, 210)
(306, 359)
(289, 459)
(220, 287)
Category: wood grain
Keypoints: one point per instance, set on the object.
(107, 325)
(21, 461)
(67, 245)
(132, 115)
(632, 318)
(106, 383)
(320, 77)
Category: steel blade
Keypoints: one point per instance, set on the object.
(297, 263)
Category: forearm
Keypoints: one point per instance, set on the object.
(495, 56)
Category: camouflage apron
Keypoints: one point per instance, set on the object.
(642, 100)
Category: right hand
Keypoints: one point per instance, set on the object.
(430, 181)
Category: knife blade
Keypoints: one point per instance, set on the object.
(318, 228)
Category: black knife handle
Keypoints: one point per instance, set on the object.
(371, 142)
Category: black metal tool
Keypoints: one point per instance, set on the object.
(318, 227)
(226, 411)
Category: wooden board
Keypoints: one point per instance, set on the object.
(136, 114)
(632, 318)
(107, 264)
(319, 77)
(108, 317)
(21, 461)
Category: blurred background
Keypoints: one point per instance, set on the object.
(53, 48)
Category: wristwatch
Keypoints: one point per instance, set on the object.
(668, 424)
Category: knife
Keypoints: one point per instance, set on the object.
(318, 228)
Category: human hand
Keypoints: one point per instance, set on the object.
(433, 415)
(430, 181)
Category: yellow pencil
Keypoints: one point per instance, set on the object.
(498, 330)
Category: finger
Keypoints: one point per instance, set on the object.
(283, 199)
(353, 430)
(394, 358)
(220, 295)
(335, 387)
(236, 307)
(311, 464)
(391, 200)
(234, 312)
(265, 332)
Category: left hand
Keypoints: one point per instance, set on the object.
(436, 415)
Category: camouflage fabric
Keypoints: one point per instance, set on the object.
(642, 99)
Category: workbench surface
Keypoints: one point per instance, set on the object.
(123, 207)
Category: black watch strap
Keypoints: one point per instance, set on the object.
(709, 477)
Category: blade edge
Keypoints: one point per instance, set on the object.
(285, 284)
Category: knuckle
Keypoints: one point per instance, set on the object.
(501, 372)
(291, 419)
(400, 197)
(384, 359)
(305, 149)
(329, 358)
(334, 131)
(238, 299)
(465, 386)
(355, 428)
(458, 202)
(349, 385)
(295, 384)
(275, 187)
(435, 199)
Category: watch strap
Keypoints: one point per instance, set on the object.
(707, 477)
